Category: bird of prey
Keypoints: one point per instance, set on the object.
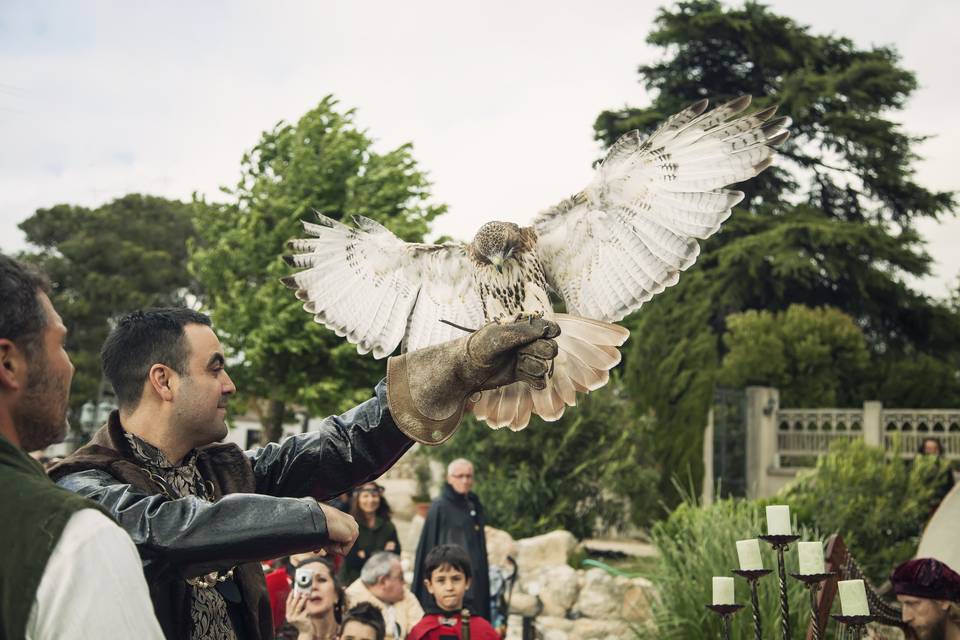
(605, 251)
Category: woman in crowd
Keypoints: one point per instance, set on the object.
(377, 533)
(313, 610)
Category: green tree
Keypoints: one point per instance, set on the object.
(322, 163)
(832, 224)
(816, 357)
(588, 471)
(127, 254)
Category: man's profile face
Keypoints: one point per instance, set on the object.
(391, 585)
(200, 402)
(461, 478)
(356, 630)
(927, 618)
(40, 416)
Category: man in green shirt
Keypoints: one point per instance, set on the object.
(66, 569)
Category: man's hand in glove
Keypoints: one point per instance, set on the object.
(428, 388)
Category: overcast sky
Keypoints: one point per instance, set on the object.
(100, 99)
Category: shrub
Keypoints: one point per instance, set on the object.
(589, 470)
(877, 503)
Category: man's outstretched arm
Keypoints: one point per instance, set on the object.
(192, 537)
(423, 398)
(345, 451)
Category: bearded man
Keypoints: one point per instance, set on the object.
(55, 547)
(203, 514)
(928, 591)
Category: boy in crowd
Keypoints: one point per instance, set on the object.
(363, 622)
(448, 574)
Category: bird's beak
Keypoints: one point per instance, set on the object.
(497, 262)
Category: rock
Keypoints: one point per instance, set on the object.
(558, 589)
(636, 604)
(500, 544)
(600, 596)
(590, 629)
(524, 604)
(549, 549)
(552, 623)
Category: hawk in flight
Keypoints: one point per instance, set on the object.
(605, 251)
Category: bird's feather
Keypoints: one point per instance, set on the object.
(629, 234)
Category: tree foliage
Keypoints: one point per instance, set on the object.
(324, 163)
(831, 224)
(886, 501)
(589, 471)
(127, 254)
(817, 356)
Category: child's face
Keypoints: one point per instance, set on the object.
(448, 585)
(356, 630)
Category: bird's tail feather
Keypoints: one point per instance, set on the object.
(587, 350)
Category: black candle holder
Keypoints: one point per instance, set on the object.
(780, 542)
(752, 575)
(857, 624)
(725, 611)
(813, 581)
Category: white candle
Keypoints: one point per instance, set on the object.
(723, 590)
(748, 551)
(811, 558)
(853, 598)
(778, 520)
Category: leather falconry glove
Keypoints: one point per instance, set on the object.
(428, 388)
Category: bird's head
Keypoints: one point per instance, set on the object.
(496, 243)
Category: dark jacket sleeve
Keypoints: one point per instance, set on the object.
(346, 451)
(192, 537)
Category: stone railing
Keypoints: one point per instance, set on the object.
(912, 426)
(781, 441)
(804, 432)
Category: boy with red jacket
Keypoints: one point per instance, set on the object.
(448, 572)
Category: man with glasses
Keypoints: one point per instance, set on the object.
(456, 517)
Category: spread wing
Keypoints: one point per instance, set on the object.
(630, 233)
(376, 290)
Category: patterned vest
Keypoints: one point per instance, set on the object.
(225, 469)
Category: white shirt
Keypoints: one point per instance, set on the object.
(93, 585)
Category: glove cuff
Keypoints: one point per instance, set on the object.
(409, 414)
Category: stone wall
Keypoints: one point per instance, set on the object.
(569, 603)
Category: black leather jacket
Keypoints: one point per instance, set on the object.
(190, 536)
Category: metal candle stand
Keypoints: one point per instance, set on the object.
(813, 582)
(725, 611)
(752, 575)
(856, 624)
(779, 543)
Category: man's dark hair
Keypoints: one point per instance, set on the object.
(368, 614)
(447, 554)
(22, 318)
(142, 339)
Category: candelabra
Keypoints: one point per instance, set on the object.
(752, 576)
(853, 624)
(813, 581)
(780, 543)
(725, 611)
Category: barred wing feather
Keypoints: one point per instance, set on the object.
(376, 290)
(629, 234)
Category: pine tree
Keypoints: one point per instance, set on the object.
(831, 224)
